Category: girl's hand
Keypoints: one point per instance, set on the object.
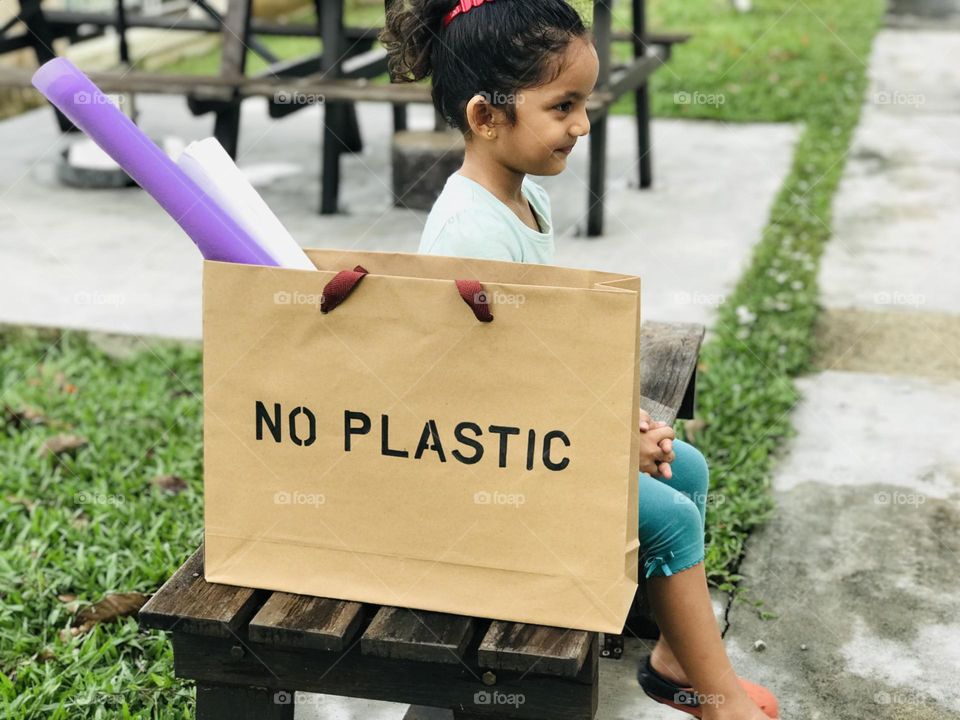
(656, 452)
(647, 424)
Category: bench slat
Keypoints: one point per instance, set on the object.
(188, 603)
(668, 362)
(303, 621)
(652, 38)
(539, 649)
(417, 635)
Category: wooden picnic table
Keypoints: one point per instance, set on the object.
(340, 74)
(251, 650)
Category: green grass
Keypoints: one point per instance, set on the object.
(93, 523)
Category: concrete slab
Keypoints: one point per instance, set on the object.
(859, 563)
(918, 343)
(112, 260)
(894, 244)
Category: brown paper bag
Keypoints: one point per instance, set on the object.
(400, 450)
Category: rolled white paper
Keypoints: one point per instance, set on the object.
(211, 167)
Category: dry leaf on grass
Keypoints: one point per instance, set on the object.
(18, 500)
(22, 417)
(60, 444)
(71, 605)
(171, 483)
(110, 609)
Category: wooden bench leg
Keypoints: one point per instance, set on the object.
(642, 100)
(598, 176)
(399, 117)
(228, 702)
(41, 37)
(233, 63)
(602, 30)
(641, 97)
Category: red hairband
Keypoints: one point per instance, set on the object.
(462, 7)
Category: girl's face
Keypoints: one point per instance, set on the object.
(551, 118)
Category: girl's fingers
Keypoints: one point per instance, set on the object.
(644, 426)
(666, 445)
(665, 470)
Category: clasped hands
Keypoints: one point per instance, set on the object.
(656, 447)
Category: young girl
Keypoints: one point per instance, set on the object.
(514, 76)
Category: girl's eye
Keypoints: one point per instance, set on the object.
(564, 106)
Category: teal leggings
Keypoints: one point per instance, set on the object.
(673, 514)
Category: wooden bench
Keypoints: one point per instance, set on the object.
(250, 651)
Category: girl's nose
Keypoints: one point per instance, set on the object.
(581, 127)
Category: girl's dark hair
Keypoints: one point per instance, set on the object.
(496, 49)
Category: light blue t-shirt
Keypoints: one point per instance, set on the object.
(467, 220)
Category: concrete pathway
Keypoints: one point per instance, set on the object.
(860, 563)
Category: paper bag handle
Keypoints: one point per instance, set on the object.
(475, 296)
(343, 283)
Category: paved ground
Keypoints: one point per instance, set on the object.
(860, 563)
(112, 261)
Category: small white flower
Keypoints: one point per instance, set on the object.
(744, 316)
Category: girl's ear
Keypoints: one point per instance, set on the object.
(483, 118)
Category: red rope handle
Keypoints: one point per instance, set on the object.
(475, 296)
(342, 284)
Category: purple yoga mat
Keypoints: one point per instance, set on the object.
(215, 233)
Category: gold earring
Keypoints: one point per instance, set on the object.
(489, 133)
